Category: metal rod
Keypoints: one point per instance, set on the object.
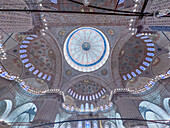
(73, 12)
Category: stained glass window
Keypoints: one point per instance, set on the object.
(121, 1)
(54, 1)
(87, 124)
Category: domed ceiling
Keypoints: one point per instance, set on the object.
(86, 49)
(88, 61)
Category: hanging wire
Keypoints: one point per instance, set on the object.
(164, 122)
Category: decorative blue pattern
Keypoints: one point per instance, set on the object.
(160, 28)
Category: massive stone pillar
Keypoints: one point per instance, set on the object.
(47, 111)
(127, 109)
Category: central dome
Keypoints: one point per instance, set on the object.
(86, 49)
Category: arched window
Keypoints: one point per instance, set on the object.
(86, 107)
(79, 124)
(106, 106)
(82, 107)
(72, 108)
(54, 1)
(121, 1)
(24, 113)
(120, 4)
(101, 108)
(91, 107)
(87, 124)
(5, 108)
(95, 124)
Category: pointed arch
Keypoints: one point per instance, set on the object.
(68, 125)
(106, 126)
(24, 113)
(152, 115)
(148, 106)
(65, 125)
(166, 103)
(109, 124)
(57, 119)
(150, 111)
(7, 106)
(119, 123)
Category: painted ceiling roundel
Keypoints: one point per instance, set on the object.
(86, 49)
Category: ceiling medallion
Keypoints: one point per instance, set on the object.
(62, 32)
(111, 32)
(86, 49)
(104, 72)
(68, 72)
